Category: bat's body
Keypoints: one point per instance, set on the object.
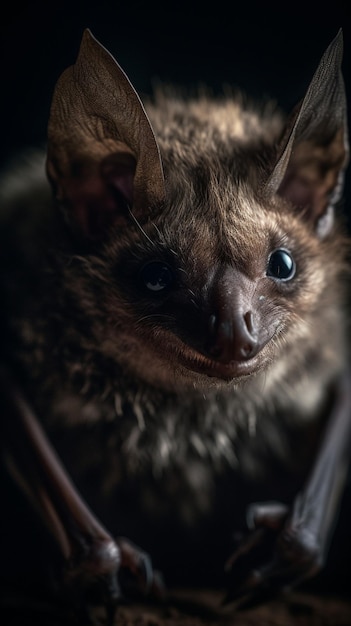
(178, 324)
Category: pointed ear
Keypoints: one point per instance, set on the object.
(314, 155)
(102, 152)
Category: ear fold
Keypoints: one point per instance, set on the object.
(310, 170)
(102, 152)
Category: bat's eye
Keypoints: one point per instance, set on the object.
(157, 276)
(281, 265)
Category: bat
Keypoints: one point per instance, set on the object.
(175, 328)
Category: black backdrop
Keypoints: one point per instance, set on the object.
(266, 48)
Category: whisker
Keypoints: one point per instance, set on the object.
(156, 229)
(196, 305)
(159, 316)
(137, 223)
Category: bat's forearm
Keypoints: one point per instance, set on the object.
(301, 537)
(35, 466)
(316, 508)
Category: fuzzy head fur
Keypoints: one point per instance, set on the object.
(183, 210)
(149, 297)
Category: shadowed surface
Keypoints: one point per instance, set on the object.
(200, 607)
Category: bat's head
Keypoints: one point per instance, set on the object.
(205, 243)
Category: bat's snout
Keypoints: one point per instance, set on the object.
(232, 336)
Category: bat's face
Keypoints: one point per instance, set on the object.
(211, 295)
(212, 229)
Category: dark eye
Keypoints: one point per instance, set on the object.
(157, 276)
(281, 265)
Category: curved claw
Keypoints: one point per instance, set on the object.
(99, 579)
(90, 580)
(137, 575)
(272, 557)
(265, 582)
(244, 565)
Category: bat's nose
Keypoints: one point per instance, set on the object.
(232, 336)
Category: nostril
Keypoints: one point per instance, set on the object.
(213, 346)
(231, 337)
(219, 336)
(249, 321)
(246, 350)
(212, 324)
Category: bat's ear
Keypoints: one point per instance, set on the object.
(310, 170)
(102, 152)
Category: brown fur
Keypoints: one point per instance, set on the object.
(126, 380)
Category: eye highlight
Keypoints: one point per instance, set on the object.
(157, 276)
(281, 265)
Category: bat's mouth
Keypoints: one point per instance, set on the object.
(187, 363)
(200, 364)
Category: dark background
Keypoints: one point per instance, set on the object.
(268, 49)
(265, 48)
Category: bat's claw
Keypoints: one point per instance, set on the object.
(273, 556)
(106, 574)
(137, 575)
(90, 581)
